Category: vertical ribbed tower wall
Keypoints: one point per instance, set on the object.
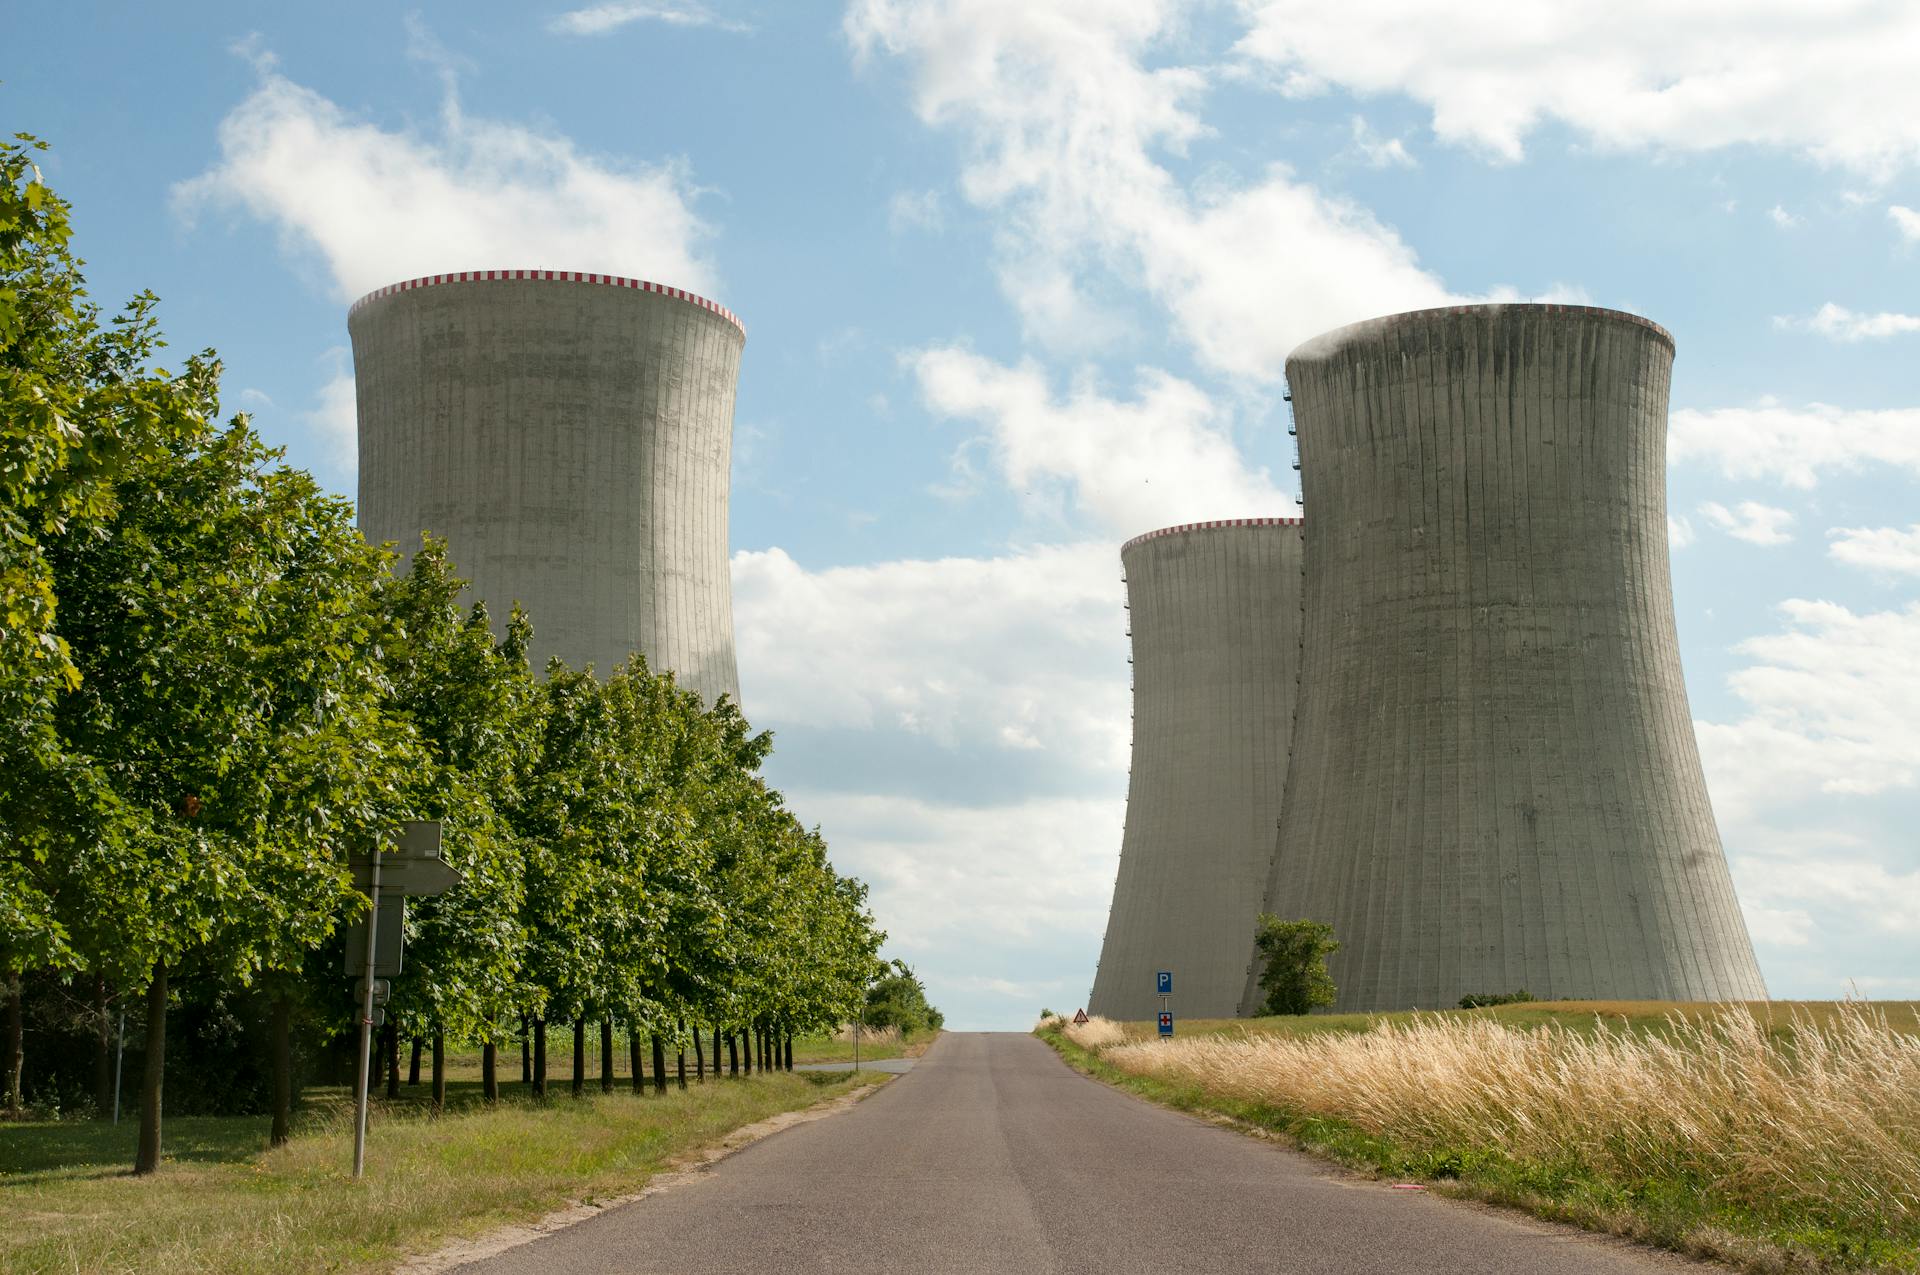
(571, 436)
(1495, 784)
(1214, 611)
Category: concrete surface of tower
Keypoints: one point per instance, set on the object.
(571, 436)
(1495, 784)
(1214, 609)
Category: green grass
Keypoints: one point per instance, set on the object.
(222, 1202)
(1683, 1211)
(821, 1049)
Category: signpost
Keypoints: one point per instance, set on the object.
(412, 867)
(1163, 987)
(1166, 1023)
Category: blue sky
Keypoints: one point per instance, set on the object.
(1018, 280)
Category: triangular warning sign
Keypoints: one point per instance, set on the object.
(1079, 1016)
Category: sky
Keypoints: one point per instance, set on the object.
(1019, 278)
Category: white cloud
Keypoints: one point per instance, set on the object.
(1679, 532)
(1838, 323)
(1885, 549)
(915, 210)
(377, 206)
(973, 654)
(1868, 892)
(1784, 219)
(1834, 81)
(599, 19)
(1794, 446)
(334, 421)
(1377, 151)
(1832, 706)
(1064, 123)
(1755, 523)
(1907, 221)
(1163, 457)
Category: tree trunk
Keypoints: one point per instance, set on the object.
(699, 1056)
(147, 1158)
(716, 1053)
(680, 1067)
(789, 1050)
(659, 1064)
(490, 1072)
(539, 1034)
(102, 1051)
(579, 1056)
(16, 1045)
(439, 1067)
(526, 1050)
(413, 1065)
(393, 1060)
(606, 1055)
(281, 1046)
(733, 1054)
(633, 1059)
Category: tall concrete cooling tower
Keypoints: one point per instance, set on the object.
(1495, 784)
(571, 436)
(1215, 611)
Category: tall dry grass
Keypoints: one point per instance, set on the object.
(1096, 1033)
(1821, 1121)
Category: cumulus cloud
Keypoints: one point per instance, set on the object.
(1838, 323)
(1164, 456)
(1377, 151)
(1021, 651)
(1794, 446)
(1832, 81)
(1832, 705)
(376, 205)
(1906, 221)
(915, 210)
(1066, 126)
(1679, 532)
(333, 422)
(1888, 550)
(1783, 219)
(1755, 523)
(600, 19)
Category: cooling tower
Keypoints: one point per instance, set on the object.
(570, 435)
(1215, 618)
(1495, 784)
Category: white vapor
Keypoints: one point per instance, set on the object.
(377, 206)
(599, 19)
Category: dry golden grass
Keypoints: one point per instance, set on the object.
(1096, 1033)
(1810, 1115)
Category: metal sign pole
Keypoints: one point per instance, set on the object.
(366, 1025)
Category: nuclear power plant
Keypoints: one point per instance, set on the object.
(1214, 613)
(571, 436)
(1491, 777)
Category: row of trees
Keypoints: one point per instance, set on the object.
(212, 690)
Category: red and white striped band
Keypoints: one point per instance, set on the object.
(1209, 526)
(556, 276)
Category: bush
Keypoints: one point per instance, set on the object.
(1487, 1000)
(1295, 978)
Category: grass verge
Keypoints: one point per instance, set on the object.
(1774, 1143)
(223, 1204)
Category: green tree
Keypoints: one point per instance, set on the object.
(899, 1000)
(1294, 963)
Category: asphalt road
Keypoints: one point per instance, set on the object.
(992, 1155)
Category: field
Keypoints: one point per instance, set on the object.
(1775, 1136)
(224, 1203)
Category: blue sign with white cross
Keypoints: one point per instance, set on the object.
(1163, 983)
(1166, 1023)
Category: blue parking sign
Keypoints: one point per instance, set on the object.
(1163, 983)
(1166, 1024)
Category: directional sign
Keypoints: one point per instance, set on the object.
(412, 867)
(1166, 1023)
(1163, 983)
(387, 943)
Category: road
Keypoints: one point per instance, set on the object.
(992, 1155)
